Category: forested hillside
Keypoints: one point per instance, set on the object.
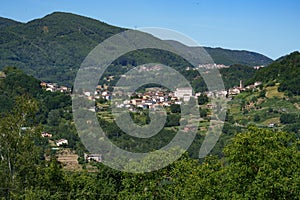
(285, 70)
(256, 157)
(230, 57)
(52, 48)
(255, 162)
(4, 22)
(232, 75)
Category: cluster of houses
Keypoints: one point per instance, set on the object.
(100, 92)
(156, 97)
(237, 90)
(61, 142)
(152, 99)
(207, 66)
(58, 143)
(53, 87)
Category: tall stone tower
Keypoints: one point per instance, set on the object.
(241, 84)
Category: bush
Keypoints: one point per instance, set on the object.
(288, 118)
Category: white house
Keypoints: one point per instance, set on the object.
(95, 157)
(183, 93)
(61, 142)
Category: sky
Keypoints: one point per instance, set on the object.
(268, 27)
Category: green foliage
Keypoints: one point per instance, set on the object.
(229, 57)
(52, 48)
(175, 108)
(203, 99)
(289, 118)
(53, 109)
(203, 112)
(4, 22)
(259, 164)
(173, 120)
(232, 75)
(262, 164)
(262, 94)
(256, 118)
(16, 84)
(18, 153)
(285, 70)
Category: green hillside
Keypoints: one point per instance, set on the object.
(232, 75)
(52, 48)
(285, 71)
(229, 57)
(260, 163)
(4, 22)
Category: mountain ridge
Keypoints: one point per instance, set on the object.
(53, 47)
(5, 22)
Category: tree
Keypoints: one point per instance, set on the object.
(203, 99)
(262, 164)
(262, 94)
(175, 108)
(173, 120)
(203, 112)
(256, 118)
(54, 118)
(18, 153)
(288, 118)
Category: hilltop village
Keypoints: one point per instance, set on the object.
(154, 97)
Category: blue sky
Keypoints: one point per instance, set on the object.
(268, 27)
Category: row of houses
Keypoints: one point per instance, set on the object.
(237, 90)
(53, 87)
(154, 99)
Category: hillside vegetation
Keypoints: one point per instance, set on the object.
(52, 48)
(285, 71)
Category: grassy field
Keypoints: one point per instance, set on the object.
(273, 92)
(250, 108)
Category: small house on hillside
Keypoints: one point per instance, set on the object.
(2, 75)
(94, 157)
(46, 135)
(61, 142)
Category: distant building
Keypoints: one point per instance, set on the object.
(186, 98)
(271, 125)
(234, 91)
(184, 93)
(50, 90)
(136, 101)
(46, 135)
(43, 84)
(258, 67)
(61, 142)
(258, 83)
(241, 84)
(2, 74)
(87, 93)
(94, 157)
